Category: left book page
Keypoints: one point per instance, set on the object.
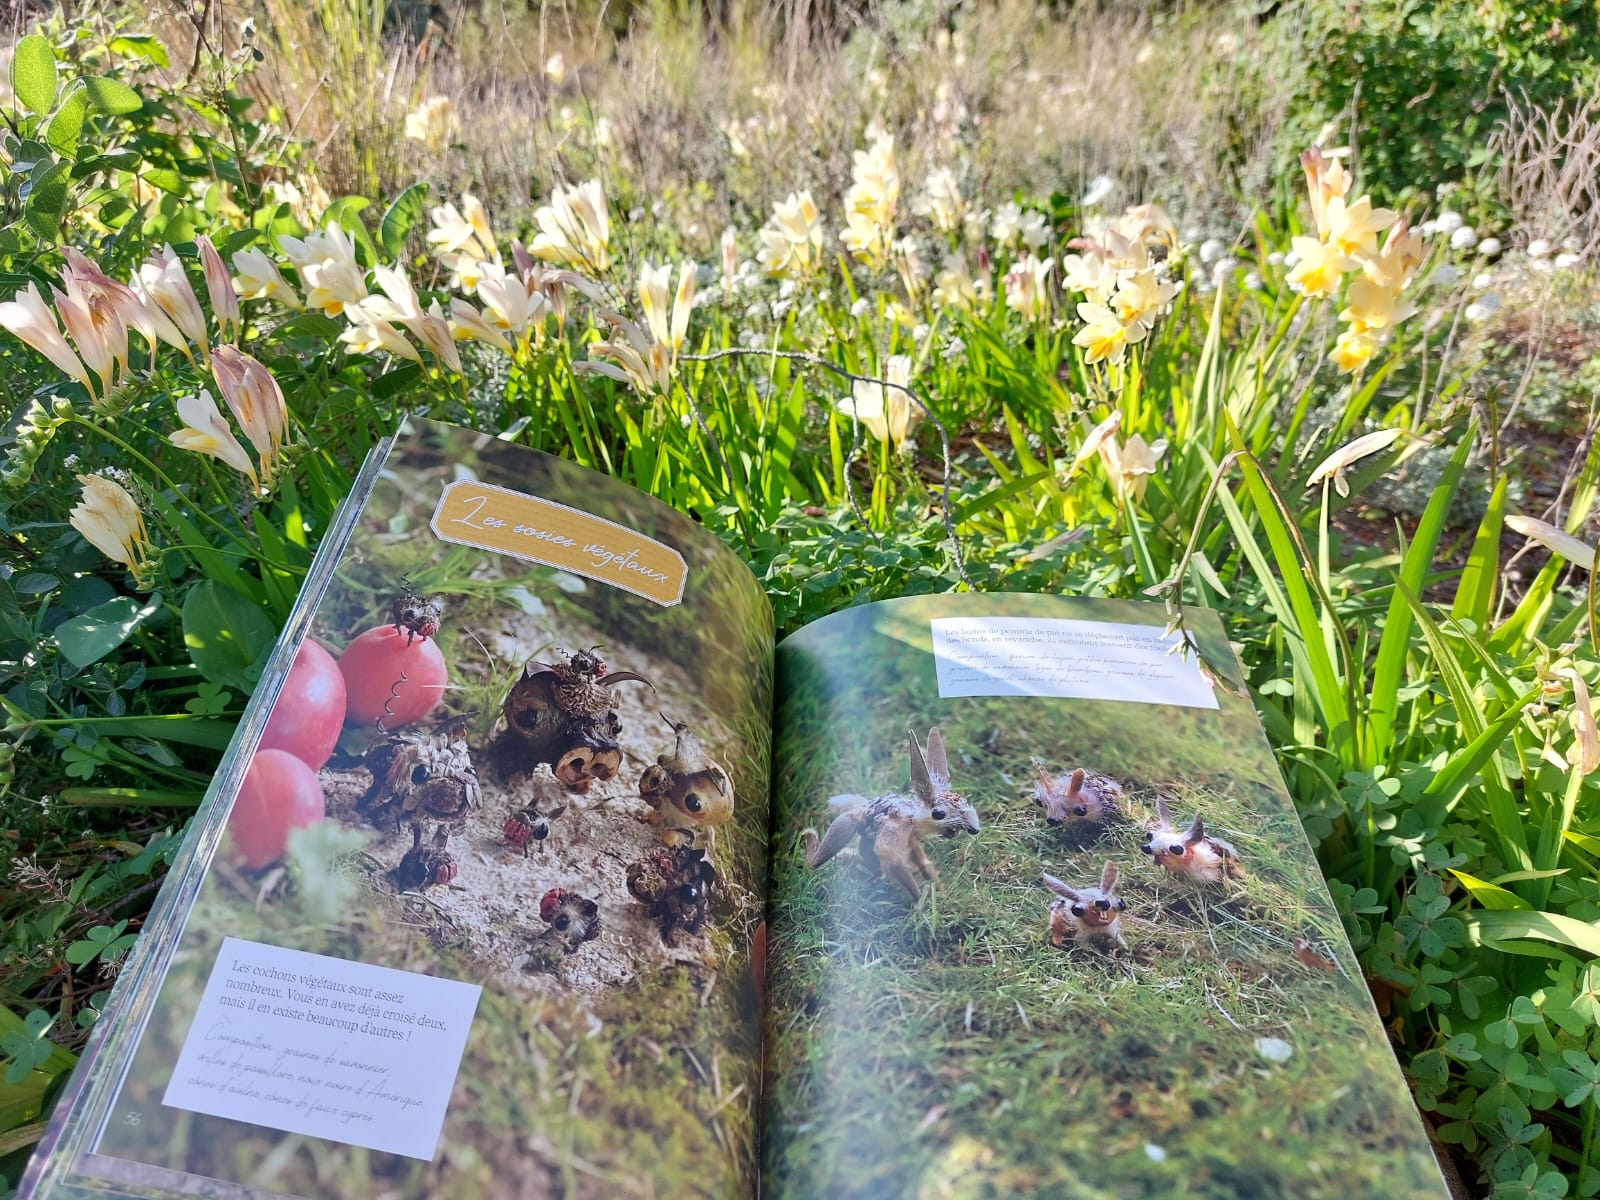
(479, 921)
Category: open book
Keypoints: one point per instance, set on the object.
(498, 906)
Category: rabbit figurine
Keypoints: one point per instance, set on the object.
(891, 827)
(1091, 915)
(1080, 796)
(1193, 854)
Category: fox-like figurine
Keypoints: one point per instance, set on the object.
(891, 827)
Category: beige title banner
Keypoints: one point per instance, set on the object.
(541, 531)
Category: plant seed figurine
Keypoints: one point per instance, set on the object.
(1091, 915)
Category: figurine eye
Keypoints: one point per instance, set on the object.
(1077, 910)
(562, 921)
(541, 830)
(419, 774)
(1178, 851)
(1121, 907)
(1103, 905)
(939, 814)
(692, 802)
(689, 893)
(1081, 809)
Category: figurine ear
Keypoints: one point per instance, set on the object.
(1197, 831)
(920, 783)
(1059, 888)
(1108, 877)
(1163, 811)
(938, 761)
(1075, 784)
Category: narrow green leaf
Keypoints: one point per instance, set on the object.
(1508, 925)
(1475, 593)
(33, 73)
(1490, 895)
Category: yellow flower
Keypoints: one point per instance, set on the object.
(206, 432)
(28, 317)
(1148, 225)
(1140, 297)
(871, 201)
(512, 302)
(399, 303)
(463, 241)
(257, 278)
(326, 264)
(889, 413)
(109, 520)
(256, 401)
(1401, 256)
(1320, 267)
(1103, 336)
(1087, 274)
(1325, 180)
(941, 201)
(1373, 306)
(639, 359)
(1355, 348)
(575, 228)
(954, 287)
(433, 123)
(1097, 437)
(791, 241)
(369, 332)
(467, 322)
(1334, 466)
(1353, 229)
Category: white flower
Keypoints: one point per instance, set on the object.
(1291, 259)
(953, 349)
(205, 431)
(432, 122)
(1483, 279)
(1007, 223)
(1212, 249)
(941, 200)
(1223, 270)
(1489, 247)
(1464, 238)
(1445, 275)
(860, 308)
(1484, 307)
(28, 317)
(575, 228)
(1101, 189)
(1449, 222)
(1276, 258)
(1334, 466)
(1035, 230)
(326, 264)
(1554, 539)
(109, 519)
(889, 413)
(1538, 248)
(1567, 259)
(1252, 282)
(791, 240)
(258, 278)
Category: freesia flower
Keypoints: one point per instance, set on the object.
(954, 287)
(1355, 348)
(463, 241)
(205, 431)
(1007, 225)
(1132, 464)
(165, 287)
(1319, 269)
(1103, 336)
(1325, 180)
(326, 264)
(871, 202)
(640, 360)
(256, 401)
(575, 229)
(109, 519)
(889, 412)
(399, 302)
(1554, 539)
(29, 318)
(1336, 464)
(1087, 274)
(791, 240)
(1140, 297)
(1373, 306)
(258, 278)
(224, 301)
(1585, 752)
(433, 122)
(941, 200)
(653, 299)
(1097, 437)
(1027, 290)
(468, 322)
(368, 333)
(513, 303)
(1353, 229)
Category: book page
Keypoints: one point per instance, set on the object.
(508, 952)
(1044, 922)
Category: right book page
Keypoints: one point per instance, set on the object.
(1044, 921)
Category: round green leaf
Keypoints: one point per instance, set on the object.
(228, 637)
(91, 636)
(112, 96)
(33, 73)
